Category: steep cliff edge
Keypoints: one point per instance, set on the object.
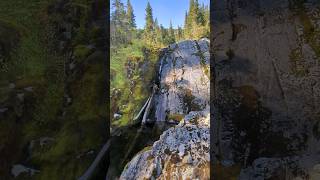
(182, 97)
(267, 93)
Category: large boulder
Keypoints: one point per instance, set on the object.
(184, 80)
(182, 152)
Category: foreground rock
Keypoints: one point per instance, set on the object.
(182, 152)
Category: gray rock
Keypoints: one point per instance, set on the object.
(12, 85)
(184, 78)
(29, 89)
(117, 116)
(18, 169)
(45, 141)
(20, 96)
(3, 110)
(72, 65)
(185, 141)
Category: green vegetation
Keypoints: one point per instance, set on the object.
(175, 117)
(197, 21)
(310, 32)
(296, 59)
(34, 64)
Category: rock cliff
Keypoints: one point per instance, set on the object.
(267, 90)
(182, 97)
(184, 80)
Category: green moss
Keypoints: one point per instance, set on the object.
(82, 51)
(35, 62)
(86, 94)
(310, 33)
(205, 67)
(175, 117)
(297, 63)
(188, 99)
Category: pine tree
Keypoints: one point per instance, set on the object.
(186, 25)
(192, 13)
(149, 18)
(171, 33)
(130, 15)
(119, 27)
(186, 20)
(119, 13)
(196, 21)
(200, 15)
(149, 33)
(196, 11)
(164, 35)
(158, 36)
(180, 33)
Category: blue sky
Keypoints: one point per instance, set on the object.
(164, 10)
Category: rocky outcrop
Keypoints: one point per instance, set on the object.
(183, 80)
(267, 93)
(182, 97)
(181, 152)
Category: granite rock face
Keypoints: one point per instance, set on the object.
(182, 97)
(267, 85)
(182, 152)
(183, 80)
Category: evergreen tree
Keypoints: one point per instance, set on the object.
(196, 21)
(149, 18)
(192, 13)
(186, 20)
(171, 33)
(164, 35)
(149, 33)
(200, 15)
(186, 25)
(119, 28)
(180, 33)
(130, 15)
(196, 11)
(158, 36)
